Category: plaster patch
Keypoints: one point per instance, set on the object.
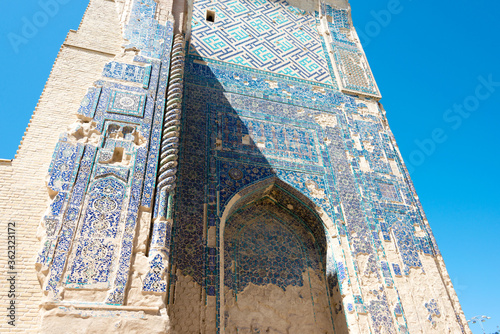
(326, 120)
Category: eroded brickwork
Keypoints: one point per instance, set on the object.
(218, 168)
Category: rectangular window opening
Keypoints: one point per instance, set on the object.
(210, 17)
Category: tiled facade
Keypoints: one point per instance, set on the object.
(265, 35)
(245, 161)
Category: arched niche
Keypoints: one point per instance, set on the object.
(274, 264)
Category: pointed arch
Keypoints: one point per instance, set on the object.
(274, 244)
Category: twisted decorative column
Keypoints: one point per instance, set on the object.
(159, 249)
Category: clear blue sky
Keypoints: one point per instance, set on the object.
(427, 59)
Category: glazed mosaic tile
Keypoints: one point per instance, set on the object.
(153, 281)
(406, 244)
(52, 222)
(275, 256)
(97, 237)
(354, 71)
(350, 308)
(397, 270)
(116, 295)
(386, 273)
(69, 223)
(425, 245)
(92, 244)
(265, 35)
(398, 310)
(161, 88)
(127, 104)
(359, 305)
(254, 127)
(118, 172)
(247, 151)
(127, 72)
(341, 271)
(89, 102)
(388, 191)
(351, 63)
(144, 32)
(64, 166)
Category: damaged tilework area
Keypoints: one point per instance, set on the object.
(254, 131)
(127, 72)
(266, 35)
(91, 223)
(144, 32)
(352, 65)
(280, 173)
(433, 310)
(266, 251)
(331, 147)
(378, 309)
(127, 104)
(89, 102)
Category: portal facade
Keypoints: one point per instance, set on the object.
(218, 167)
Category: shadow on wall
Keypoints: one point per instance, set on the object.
(231, 193)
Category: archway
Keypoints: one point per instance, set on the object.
(273, 272)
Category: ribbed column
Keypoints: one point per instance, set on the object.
(159, 249)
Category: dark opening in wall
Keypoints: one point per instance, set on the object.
(210, 16)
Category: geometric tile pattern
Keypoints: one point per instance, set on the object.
(144, 32)
(91, 224)
(89, 102)
(352, 65)
(127, 72)
(268, 246)
(127, 104)
(256, 95)
(235, 132)
(354, 71)
(340, 17)
(266, 35)
(378, 307)
(267, 252)
(253, 131)
(96, 242)
(388, 191)
(258, 109)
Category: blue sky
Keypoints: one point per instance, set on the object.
(429, 58)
